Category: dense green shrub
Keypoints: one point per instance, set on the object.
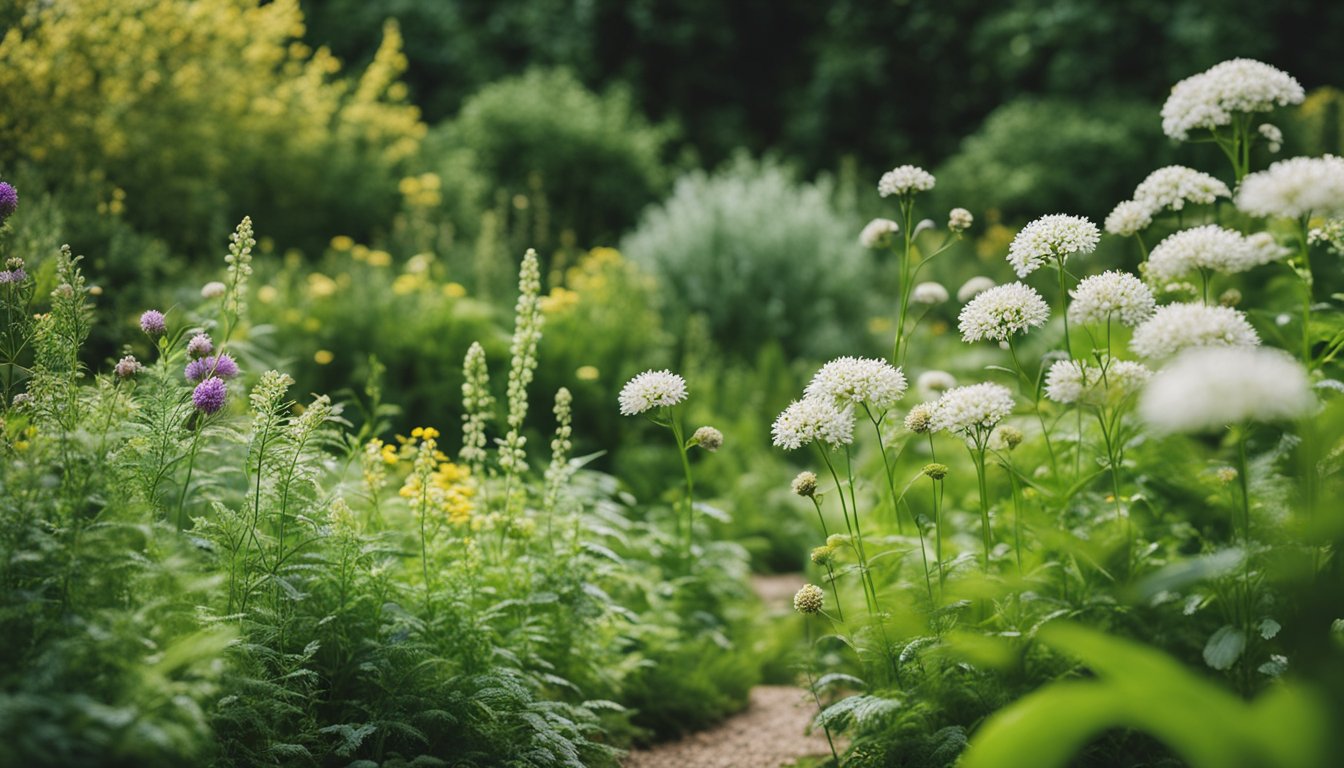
(762, 257)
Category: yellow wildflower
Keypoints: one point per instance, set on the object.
(342, 243)
(454, 290)
(323, 357)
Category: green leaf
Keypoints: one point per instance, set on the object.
(1269, 628)
(1224, 647)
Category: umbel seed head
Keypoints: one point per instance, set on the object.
(809, 599)
(708, 438)
(823, 555)
(805, 484)
(936, 471)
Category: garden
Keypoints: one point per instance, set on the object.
(529, 384)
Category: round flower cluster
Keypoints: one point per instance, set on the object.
(929, 293)
(153, 323)
(809, 599)
(708, 438)
(222, 366)
(1180, 326)
(1073, 381)
(972, 410)
(1054, 237)
(213, 290)
(9, 201)
(1272, 135)
(972, 287)
(13, 272)
(904, 180)
(805, 484)
(822, 555)
(878, 232)
(1129, 218)
(1209, 99)
(127, 367)
(651, 389)
(1006, 437)
(935, 471)
(1001, 312)
(959, 220)
(1213, 248)
(1207, 389)
(1294, 188)
(856, 381)
(209, 395)
(1121, 295)
(813, 420)
(200, 346)
(930, 384)
(920, 418)
(1175, 185)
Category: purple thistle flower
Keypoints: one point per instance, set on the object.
(209, 395)
(221, 365)
(127, 367)
(9, 200)
(14, 276)
(152, 323)
(199, 346)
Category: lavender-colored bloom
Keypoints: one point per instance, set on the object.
(9, 200)
(221, 365)
(209, 395)
(199, 346)
(152, 323)
(127, 367)
(14, 276)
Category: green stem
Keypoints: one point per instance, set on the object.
(886, 465)
(690, 484)
(978, 456)
(191, 464)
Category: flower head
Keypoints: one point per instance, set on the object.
(935, 471)
(1129, 218)
(1272, 136)
(1076, 381)
(209, 395)
(651, 389)
(152, 323)
(200, 346)
(823, 555)
(929, 293)
(858, 381)
(1294, 188)
(213, 290)
(222, 366)
(1207, 389)
(9, 201)
(1175, 327)
(809, 599)
(1209, 99)
(814, 420)
(931, 384)
(1002, 311)
(959, 220)
(1006, 437)
(1213, 248)
(920, 418)
(973, 410)
(805, 484)
(905, 180)
(1175, 185)
(1051, 238)
(127, 367)
(973, 287)
(1111, 294)
(878, 233)
(708, 438)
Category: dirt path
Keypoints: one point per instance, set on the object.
(769, 733)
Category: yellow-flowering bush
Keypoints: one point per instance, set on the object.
(197, 110)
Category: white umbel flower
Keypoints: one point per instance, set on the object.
(1077, 381)
(858, 381)
(971, 411)
(1297, 187)
(1176, 327)
(1210, 99)
(813, 420)
(931, 384)
(959, 220)
(1175, 185)
(1051, 238)
(920, 418)
(1129, 218)
(976, 285)
(651, 389)
(878, 232)
(1111, 294)
(929, 293)
(1272, 135)
(1208, 389)
(1002, 311)
(905, 180)
(1212, 248)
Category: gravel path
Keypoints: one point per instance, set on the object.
(769, 733)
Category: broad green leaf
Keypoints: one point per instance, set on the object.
(1224, 647)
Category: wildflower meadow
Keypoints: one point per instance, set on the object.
(357, 413)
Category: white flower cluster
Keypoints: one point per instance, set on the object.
(1054, 237)
(1208, 389)
(1213, 248)
(905, 180)
(1296, 187)
(1272, 135)
(931, 384)
(1330, 234)
(1209, 99)
(959, 220)
(971, 288)
(1180, 326)
(858, 381)
(972, 410)
(1129, 218)
(813, 420)
(1111, 294)
(877, 232)
(651, 389)
(1075, 381)
(929, 293)
(1175, 185)
(1001, 312)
